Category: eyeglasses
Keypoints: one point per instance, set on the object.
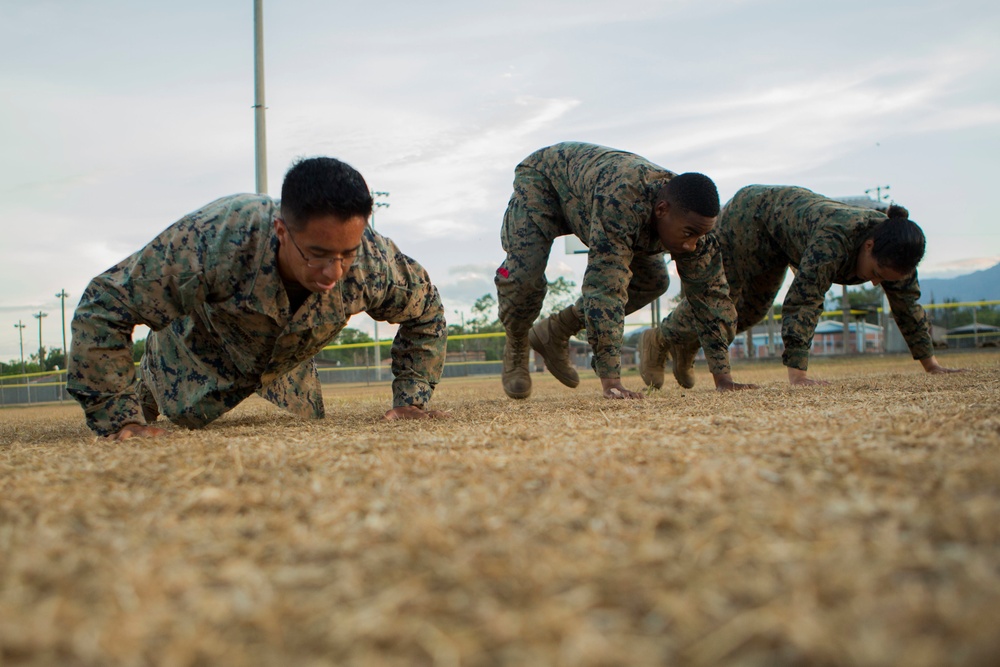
(322, 262)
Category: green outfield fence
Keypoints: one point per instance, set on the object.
(467, 355)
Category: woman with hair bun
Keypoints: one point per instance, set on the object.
(766, 229)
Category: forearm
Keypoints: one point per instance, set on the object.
(605, 322)
(418, 352)
(707, 291)
(930, 363)
(101, 375)
(798, 326)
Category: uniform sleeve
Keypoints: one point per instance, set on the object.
(803, 304)
(605, 284)
(418, 350)
(705, 287)
(155, 286)
(910, 317)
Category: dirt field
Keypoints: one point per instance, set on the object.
(852, 524)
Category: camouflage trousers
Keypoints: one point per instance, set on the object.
(755, 269)
(187, 401)
(534, 219)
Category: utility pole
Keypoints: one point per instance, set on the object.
(62, 297)
(462, 315)
(845, 310)
(258, 97)
(378, 349)
(20, 334)
(41, 351)
(884, 320)
(878, 190)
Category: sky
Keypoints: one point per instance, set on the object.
(120, 117)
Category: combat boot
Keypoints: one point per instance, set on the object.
(653, 352)
(550, 339)
(515, 377)
(150, 411)
(683, 357)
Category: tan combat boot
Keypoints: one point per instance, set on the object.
(683, 357)
(515, 377)
(653, 351)
(550, 339)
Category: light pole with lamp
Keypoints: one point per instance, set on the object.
(24, 371)
(260, 128)
(378, 349)
(20, 326)
(41, 350)
(462, 315)
(884, 320)
(62, 298)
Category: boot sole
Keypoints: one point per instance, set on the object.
(539, 348)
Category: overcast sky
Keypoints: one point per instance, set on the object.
(119, 117)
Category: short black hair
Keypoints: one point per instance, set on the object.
(899, 242)
(692, 192)
(320, 186)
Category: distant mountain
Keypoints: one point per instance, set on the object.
(979, 286)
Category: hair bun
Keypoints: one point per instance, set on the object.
(897, 211)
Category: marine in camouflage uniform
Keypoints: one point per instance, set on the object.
(226, 325)
(762, 232)
(606, 198)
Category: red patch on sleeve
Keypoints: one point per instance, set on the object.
(503, 272)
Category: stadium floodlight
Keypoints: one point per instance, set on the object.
(378, 350)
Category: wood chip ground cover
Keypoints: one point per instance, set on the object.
(852, 524)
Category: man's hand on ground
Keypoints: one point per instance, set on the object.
(931, 365)
(413, 412)
(724, 382)
(798, 378)
(137, 431)
(612, 388)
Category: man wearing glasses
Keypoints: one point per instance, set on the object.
(240, 296)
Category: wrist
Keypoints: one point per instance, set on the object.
(722, 379)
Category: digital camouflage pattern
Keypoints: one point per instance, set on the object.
(222, 326)
(765, 229)
(605, 197)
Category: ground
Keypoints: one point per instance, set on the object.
(852, 524)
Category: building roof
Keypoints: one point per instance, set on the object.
(836, 326)
(973, 328)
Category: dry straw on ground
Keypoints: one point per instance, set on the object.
(852, 524)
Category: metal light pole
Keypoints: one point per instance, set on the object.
(462, 315)
(878, 190)
(20, 334)
(884, 320)
(378, 349)
(258, 97)
(845, 309)
(62, 297)
(41, 351)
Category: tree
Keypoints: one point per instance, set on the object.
(349, 336)
(355, 356)
(56, 358)
(138, 349)
(561, 294)
(51, 360)
(484, 315)
(864, 298)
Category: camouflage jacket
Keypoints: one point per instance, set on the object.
(208, 287)
(608, 197)
(821, 239)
